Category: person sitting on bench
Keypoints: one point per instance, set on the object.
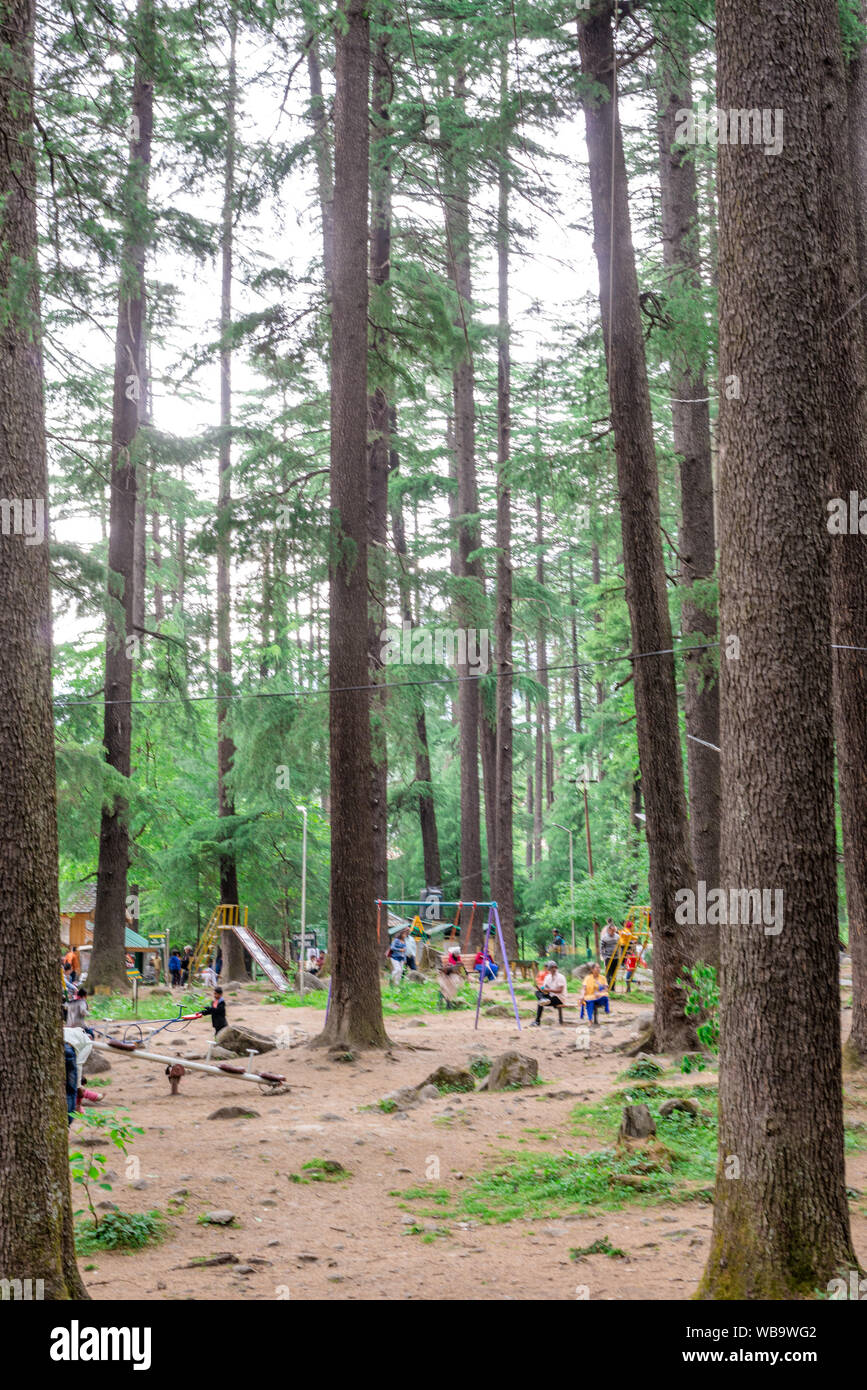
(595, 993)
(551, 992)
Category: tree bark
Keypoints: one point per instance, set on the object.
(781, 1229)
(849, 607)
(36, 1227)
(690, 414)
(424, 779)
(234, 964)
(470, 577)
(576, 669)
(355, 1014)
(379, 451)
(503, 864)
(654, 679)
(108, 959)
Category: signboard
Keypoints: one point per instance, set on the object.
(309, 940)
(264, 961)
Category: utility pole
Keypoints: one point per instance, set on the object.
(571, 878)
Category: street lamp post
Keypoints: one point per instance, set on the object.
(303, 810)
(583, 785)
(571, 879)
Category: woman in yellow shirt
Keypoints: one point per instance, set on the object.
(595, 993)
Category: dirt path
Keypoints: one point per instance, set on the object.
(351, 1239)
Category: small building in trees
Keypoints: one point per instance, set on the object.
(77, 911)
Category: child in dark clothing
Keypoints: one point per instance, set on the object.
(217, 1010)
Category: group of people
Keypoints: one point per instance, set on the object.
(315, 960)
(552, 991)
(619, 945)
(401, 954)
(181, 968)
(77, 1047)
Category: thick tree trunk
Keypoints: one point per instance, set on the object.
(690, 414)
(157, 562)
(423, 776)
(234, 965)
(576, 669)
(530, 801)
(781, 1221)
(355, 1015)
(503, 865)
(379, 452)
(596, 576)
(36, 1229)
(468, 607)
(655, 692)
(488, 750)
(849, 606)
(108, 960)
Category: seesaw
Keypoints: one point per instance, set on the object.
(175, 1069)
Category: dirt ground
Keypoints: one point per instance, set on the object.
(351, 1239)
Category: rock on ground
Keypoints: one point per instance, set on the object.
(637, 1123)
(312, 982)
(238, 1040)
(511, 1069)
(688, 1106)
(450, 1079)
(97, 1064)
(234, 1112)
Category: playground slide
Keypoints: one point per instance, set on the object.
(264, 961)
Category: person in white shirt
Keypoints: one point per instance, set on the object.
(551, 992)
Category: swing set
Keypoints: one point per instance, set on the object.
(491, 925)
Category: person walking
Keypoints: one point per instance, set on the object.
(71, 965)
(608, 949)
(397, 955)
(175, 969)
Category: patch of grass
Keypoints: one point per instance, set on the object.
(312, 999)
(854, 1136)
(119, 1230)
(387, 1105)
(427, 1237)
(325, 1170)
(600, 1119)
(412, 998)
(680, 1167)
(602, 1246)
(155, 1008)
(452, 1088)
(439, 1195)
(481, 1066)
(643, 1070)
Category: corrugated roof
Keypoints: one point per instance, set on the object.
(77, 897)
